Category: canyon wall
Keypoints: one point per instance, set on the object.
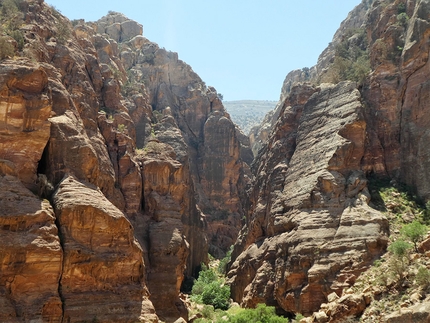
(309, 229)
(114, 184)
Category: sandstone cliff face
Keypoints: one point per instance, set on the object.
(356, 18)
(214, 157)
(82, 247)
(30, 253)
(311, 231)
(102, 260)
(396, 94)
(84, 112)
(311, 172)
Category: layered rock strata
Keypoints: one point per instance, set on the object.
(102, 260)
(311, 231)
(30, 253)
(384, 140)
(83, 109)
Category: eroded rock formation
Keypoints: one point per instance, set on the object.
(311, 231)
(110, 130)
(326, 140)
(30, 253)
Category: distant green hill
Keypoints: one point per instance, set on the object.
(248, 113)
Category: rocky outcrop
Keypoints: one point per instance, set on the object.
(30, 253)
(316, 74)
(171, 227)
(311, 231)
(83, 112)
(102, 260)
(415, 314)
(395, 94)
(25, 106)
(382, 135)
(214, 157)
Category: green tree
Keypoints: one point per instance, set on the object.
(415, 232)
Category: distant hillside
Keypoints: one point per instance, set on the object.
(248, 113)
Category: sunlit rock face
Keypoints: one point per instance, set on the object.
(121, 223)
(102, 260)
(30, 253)
(310, 230)
(25, 106)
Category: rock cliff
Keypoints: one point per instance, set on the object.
(319, 147)
(114, 184)
(120, 169)
(310, 230)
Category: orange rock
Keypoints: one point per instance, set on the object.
(103, 269)
(30, 256)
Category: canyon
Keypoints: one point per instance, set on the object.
(121, 170)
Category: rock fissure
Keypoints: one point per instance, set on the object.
(60, 288)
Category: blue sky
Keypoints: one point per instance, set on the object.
(244, 48)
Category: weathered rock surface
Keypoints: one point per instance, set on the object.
(78, 117)
(311, 231)
(171, 226)
(30, 253)
(384, 136)
(402, 109)
(103, 269)
(25, 106)
(415, 314)
(215, 163)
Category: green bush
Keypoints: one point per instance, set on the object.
(206, 276)
(399, 248)
(401, 8)
(423, 277)
(261, 314)
(403, 19)
(217, 295)
(222, 266)
(6, 48)
(63, 31)
(415, 232)
(19, 38)
(210, 289)
(351, 60)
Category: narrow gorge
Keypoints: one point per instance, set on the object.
(121, 172)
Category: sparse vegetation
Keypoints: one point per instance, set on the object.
(11, 19)
(222, 266)
(401, 8)
(6, 48)
(122, 128)
(400, 278)
(415, 232)
(403, 19)
(131, 86)
(351, 60)
(422, 277)
(400, 248)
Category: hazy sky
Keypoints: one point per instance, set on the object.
(244, 48)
